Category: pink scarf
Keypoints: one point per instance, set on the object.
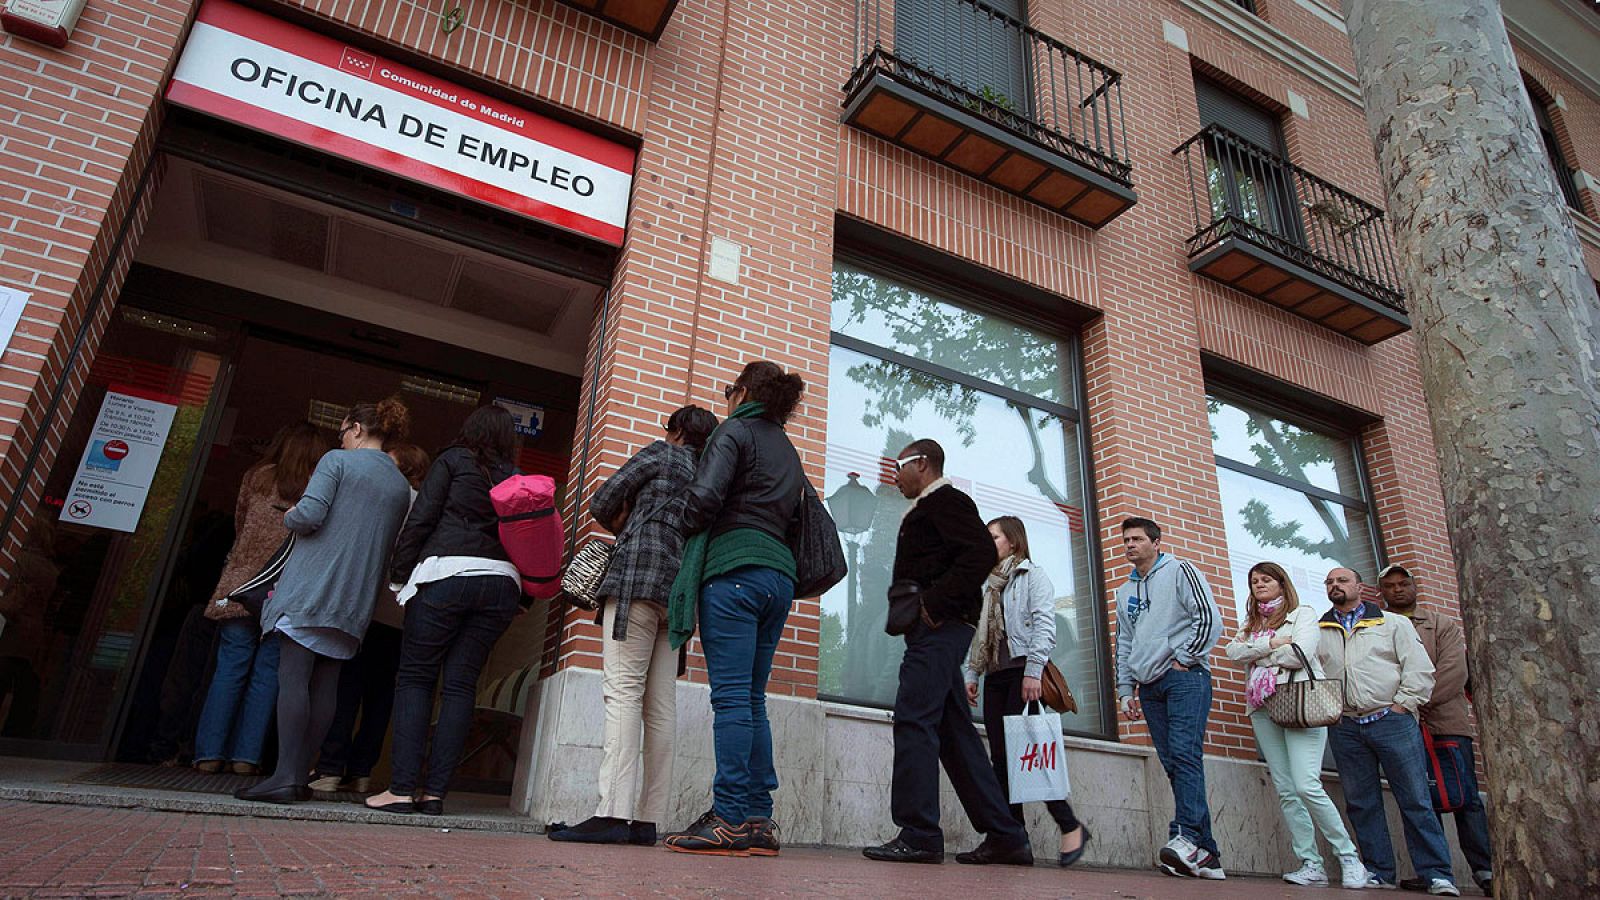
(1263, 681)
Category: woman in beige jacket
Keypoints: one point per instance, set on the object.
(1279, 638)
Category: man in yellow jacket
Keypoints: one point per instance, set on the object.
(1387, 677)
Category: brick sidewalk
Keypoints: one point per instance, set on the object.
(49, 850)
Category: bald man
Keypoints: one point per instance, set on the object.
(1387, 677)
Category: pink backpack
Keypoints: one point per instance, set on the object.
(531, 532)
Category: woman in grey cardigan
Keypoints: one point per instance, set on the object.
(345, 525)
(1016, 635)
(642, 505)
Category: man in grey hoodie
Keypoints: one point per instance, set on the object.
(1167, 624)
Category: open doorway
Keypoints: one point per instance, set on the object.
(251, 307)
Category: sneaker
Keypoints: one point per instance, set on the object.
(1310, 873)
(1484, 879)
(1352, 873)
(1375, 883)
(1180, 857)
(1442, 887)
(1414, 884)
(1210, 868)
(763, 836)
(711, 835)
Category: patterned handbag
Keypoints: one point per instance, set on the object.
(1311, 703)
(580, 583)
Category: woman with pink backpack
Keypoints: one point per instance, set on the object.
(461, 593)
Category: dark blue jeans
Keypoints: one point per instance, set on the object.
(1176, 707)
(933, 727)
(243, 695)
(1394, 744)
(742, 615)
(1472, 821)
(451, 626)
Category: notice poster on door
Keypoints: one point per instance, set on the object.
(119, 463)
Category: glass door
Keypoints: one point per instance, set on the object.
(99, 547)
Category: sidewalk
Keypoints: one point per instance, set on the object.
(54, 850)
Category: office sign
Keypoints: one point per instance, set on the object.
(262, 72)
(119, 463)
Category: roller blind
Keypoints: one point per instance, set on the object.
(960, 42)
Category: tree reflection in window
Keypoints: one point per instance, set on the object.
(1017, 453)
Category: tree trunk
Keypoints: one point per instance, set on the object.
(1506, 319)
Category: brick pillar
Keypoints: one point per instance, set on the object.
(731, 82)
(76, 135)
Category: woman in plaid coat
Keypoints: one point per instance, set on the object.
(643, 505)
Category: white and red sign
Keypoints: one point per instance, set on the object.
(120, 461)
(265, 73)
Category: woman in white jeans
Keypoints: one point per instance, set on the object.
(1275, 625)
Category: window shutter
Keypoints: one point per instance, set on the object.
(961, 43)
(1220, 106)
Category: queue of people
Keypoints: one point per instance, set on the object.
(704, 523)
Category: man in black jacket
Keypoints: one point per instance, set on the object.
(947, 552)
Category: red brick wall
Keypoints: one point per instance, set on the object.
(76, 132)
(737, 110)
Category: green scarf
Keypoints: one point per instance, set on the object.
(683, 603)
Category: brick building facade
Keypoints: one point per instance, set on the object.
(735, 111)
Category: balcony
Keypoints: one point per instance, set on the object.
(968, 85)
(647, 18)
(1270, 229)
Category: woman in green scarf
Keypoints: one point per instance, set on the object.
(737, 584)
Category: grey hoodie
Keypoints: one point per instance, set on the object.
(1163, 617)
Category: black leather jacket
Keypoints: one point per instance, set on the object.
(749, 477)
(451, 516)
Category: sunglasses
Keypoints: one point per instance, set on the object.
(902, 463)
(727, 392)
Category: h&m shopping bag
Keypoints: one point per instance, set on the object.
(1036, 761)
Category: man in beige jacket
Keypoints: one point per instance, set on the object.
(1387, 678)
(1446, 715)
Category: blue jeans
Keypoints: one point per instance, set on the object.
(1176, 707)
(1472, 822)
(244, 692)
(1394, 743)
(451, 627)
(742, 615)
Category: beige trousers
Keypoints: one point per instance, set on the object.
(639, 688)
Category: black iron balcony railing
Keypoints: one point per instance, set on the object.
(983, 60)
(1241, 192)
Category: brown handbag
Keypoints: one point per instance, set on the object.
(1057, 695)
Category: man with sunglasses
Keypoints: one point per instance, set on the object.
(945, 552)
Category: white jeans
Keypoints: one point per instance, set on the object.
(1294, 757)
(639, 688)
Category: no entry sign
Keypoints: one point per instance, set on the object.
(262, 72)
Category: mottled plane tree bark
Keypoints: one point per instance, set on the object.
(1508, 324)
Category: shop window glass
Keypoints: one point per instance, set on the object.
(1014, 452)
(1291, 494)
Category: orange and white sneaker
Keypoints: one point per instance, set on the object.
(711, 835)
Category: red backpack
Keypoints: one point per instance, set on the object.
(531, 531)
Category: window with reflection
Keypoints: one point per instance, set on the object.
(907, 364)
(1292, 493)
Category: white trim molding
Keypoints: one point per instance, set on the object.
(1297, 56)
(1561, 34)
(1588, 229)
(1326, 13)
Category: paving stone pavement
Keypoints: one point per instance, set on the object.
(54, 850)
